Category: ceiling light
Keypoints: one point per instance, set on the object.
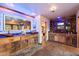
(53, 8)
(58, 17)
(10, 4)
(33, 14)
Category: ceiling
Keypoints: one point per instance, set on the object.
(63, 9)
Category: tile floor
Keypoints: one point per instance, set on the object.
(57, 49)
(27, 52)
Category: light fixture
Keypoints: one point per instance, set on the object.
(53, 8)
(58, 17)
(33, 14)
(10, 4)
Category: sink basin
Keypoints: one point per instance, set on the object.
(16, 34)
(5, 35)
(2, 36)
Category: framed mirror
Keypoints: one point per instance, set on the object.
(12, 23)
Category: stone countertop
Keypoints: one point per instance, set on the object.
(13, 35)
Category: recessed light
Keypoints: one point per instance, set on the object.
(33, 14)
(53, 8)
(10, 4)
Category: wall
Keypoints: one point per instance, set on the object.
(77, 28)
(18, 6)
(38, 20)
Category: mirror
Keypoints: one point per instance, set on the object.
(12, 23)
